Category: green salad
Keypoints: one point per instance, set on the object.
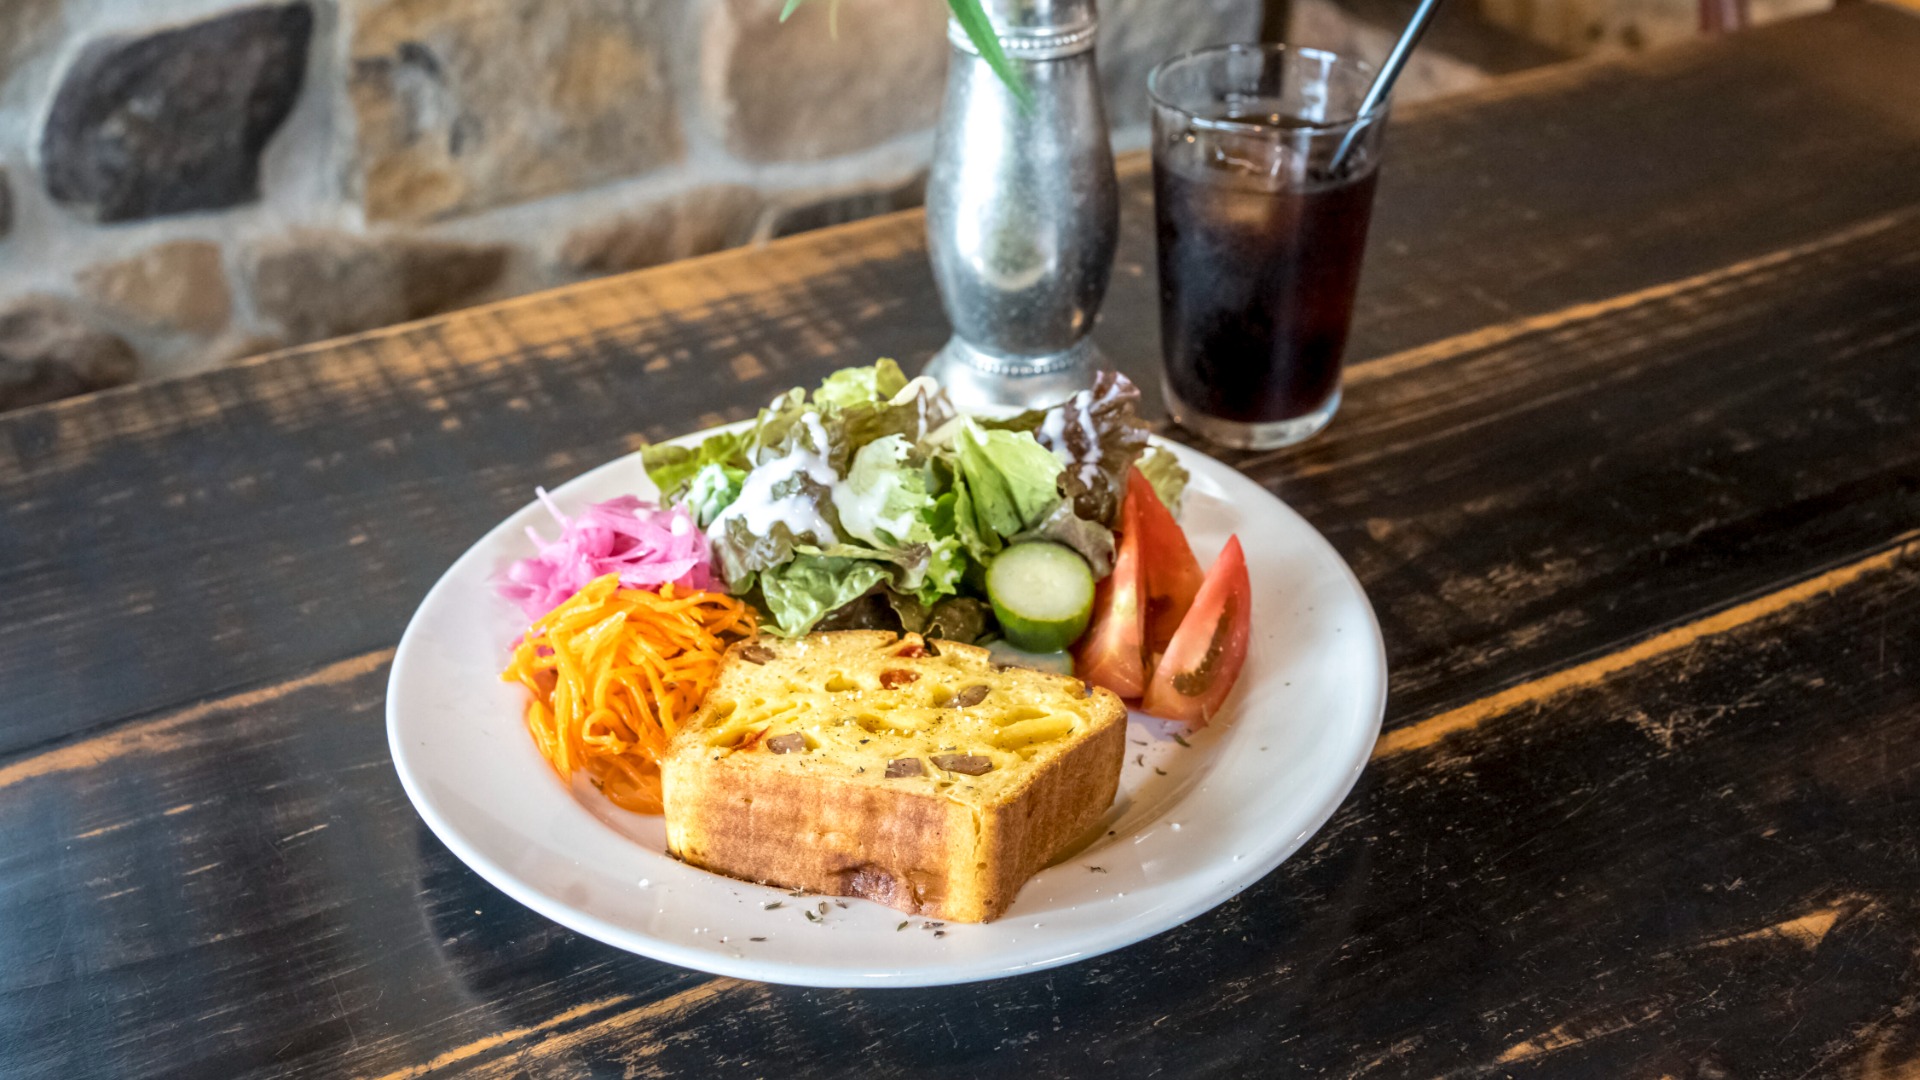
(872, 503)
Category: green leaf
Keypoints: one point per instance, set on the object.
(1098, 435)
(712, 490)
(1166, 474)
(672, 468)
(792, 6)
(800, 593)
(956, 618)
(877, 382)
(778, 430)
(783, 503)
(1091, 539)
(884, 495)
(973, 19)
(981, 543)
(1013, 480)
(913, 415)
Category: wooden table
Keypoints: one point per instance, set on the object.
(1630, 468)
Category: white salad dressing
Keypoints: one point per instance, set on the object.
(863, 511)
(760, 510)
(922, 392)
(1053, 434)
(1053, 431)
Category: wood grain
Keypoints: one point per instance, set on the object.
(1631, 470)
(172, 541)
(1634, 875)
(1434, 730)
(1557, 492)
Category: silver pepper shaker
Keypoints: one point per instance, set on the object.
(1022, 209)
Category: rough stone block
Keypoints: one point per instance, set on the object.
(242, 348)
(21, 25)
(691, 223)
(174, 121)
(840, 207)
(1137, 34)
(799, 92)
(1616, 27)
(48, 352)
(467, 104)
(179, 285)
(318, 285)
(1430, 72)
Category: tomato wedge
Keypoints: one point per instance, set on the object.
(1109, 654)
(1206, 654)
(1171, 575)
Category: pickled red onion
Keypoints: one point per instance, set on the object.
(646, 545)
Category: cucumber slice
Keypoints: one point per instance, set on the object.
(1042, 593)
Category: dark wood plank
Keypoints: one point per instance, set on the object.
(1620, 390)
(1702, 861)
(1645, 806)
(1664, 410)
(1577, 482)
(169, 542)
(240, 888)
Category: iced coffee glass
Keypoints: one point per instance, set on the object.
(1262, 219)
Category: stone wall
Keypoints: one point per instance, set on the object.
(1617, 27)
(187, 182)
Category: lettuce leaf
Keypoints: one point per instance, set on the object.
(1097, 434)
(945, 570)
(917, 410)
(1166, 474)
(806, 589)
(1011, 480)
(884, 495)
(857, 385)
(847, 413)
(851, 408)
(781, 505)
(946, 553)
(885, 502)
(672, 468)
(906, 566)
(1091, 539)
(713, 489)
(982, 544)
(780, 429)
(954, 618)
(868, 611)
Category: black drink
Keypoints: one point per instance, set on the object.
(1257, 277)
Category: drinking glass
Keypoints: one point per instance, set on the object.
(1262, 218)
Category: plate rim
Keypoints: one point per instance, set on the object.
(1193, 904)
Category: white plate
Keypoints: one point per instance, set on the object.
(1191, 826)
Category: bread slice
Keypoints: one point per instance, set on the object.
(918, 774)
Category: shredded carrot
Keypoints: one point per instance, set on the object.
(614, 673)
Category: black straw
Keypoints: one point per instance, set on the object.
(1383, 82)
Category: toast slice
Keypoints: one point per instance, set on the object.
(918, 774)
